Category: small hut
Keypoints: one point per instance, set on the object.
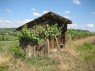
(51, 18)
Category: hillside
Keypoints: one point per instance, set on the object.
(7, 30)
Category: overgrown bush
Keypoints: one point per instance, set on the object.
(17, 53)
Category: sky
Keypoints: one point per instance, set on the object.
(14, 13)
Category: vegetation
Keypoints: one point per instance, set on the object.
(87, 50)
(41, 62)
(4, 67)
(43, 33)
(8, 34)
(7, 37)
(78, 34)
(9, 47)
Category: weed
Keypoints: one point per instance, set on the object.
(41, 62)
(87, 50)
(17, 53)
(4, 67)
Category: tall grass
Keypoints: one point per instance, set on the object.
(87, 50)
(12, 47)
(7, 38)
(4, 67)
(6, 46)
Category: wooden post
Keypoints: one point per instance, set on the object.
(70, 40)
(29, 52)
(64, 38)
(48, 46)
(52, 43)
(34, 51)
(64, 34)
(57, 43)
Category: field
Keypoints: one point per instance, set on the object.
(78, 55)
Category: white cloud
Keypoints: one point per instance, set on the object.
(77, 2)
(9, 11)
(4, 23)
(90, 25)
(39, 14)
(68, 17)
(67, 12)
(45, 12)
(12, 23)
(36, 14)
(72, 26)
(27, 20)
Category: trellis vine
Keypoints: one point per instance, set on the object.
(50, 31)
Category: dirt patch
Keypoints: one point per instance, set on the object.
(4, 58)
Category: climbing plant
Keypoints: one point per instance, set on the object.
(25, 35)
(49, 31)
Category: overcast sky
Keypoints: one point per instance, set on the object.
(14, 13)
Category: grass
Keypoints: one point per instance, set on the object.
(11, 47)
(8, 38)
(4, 67)
(87, 51)
(6, 46)
(41, 62)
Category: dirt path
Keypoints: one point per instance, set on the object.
(4, 58)
(75, 43)
(84, 40)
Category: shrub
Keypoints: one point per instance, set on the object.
(17, 53)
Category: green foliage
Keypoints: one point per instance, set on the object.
(28, 36)
(8, 34)
(24, 33)
(53, 30)
(77, 34)
(17, 53)
(43, 33)
(11, 47)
